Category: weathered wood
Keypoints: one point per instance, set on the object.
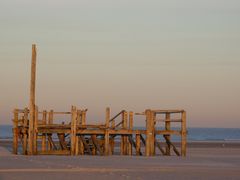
(25, 131)
(73, 130)
(138, 145)
(159, 147)
(97, 146)
(149, 148)
(183, 134)
(54, 152)
(15, 132)
(32, 101)
(112, 138)
(107, 117)
(86, 144)
(106, 143)
(168, 137)
(44, 120)
(130, 136)
(50, 122)
(35, 132)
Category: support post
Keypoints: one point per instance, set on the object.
(130, 128)
(183, 134)
(32, 100)
(106, 143)
(73, 130)
(168, 137)
(50, 121)
(138, 143)
(15, 132)
(44, 122)
(25, 129)
(149, 133)
(35, 135)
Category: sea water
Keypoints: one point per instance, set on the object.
(194, 134)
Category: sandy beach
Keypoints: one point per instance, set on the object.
(205, 160)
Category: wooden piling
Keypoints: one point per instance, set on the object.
(32, 101)
(138, 144)
(106, 143)
(149, 149)
(35, 135)
(167, 136)
(25, 129)
(50, 121)
(73, 130)
(183, 134)
(130, 128)
(15, 132)
(44, 122)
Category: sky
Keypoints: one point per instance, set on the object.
(128, 54)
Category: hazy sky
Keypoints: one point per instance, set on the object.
(126, 54)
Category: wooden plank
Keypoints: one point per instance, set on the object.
(54, 152)
(168, 111)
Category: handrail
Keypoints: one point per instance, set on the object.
(116, 115)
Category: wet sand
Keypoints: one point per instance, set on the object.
(218, 160)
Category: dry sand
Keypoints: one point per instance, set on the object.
(203, 161)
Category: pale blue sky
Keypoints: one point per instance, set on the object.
(133, 54)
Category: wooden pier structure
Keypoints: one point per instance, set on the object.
(38, 132)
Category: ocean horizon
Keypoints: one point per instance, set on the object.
(194, 134)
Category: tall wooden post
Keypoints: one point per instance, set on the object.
(73, 130)
(183, 134)
(149, 133)
(32, 100)
(15, 132)
(168, 137)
